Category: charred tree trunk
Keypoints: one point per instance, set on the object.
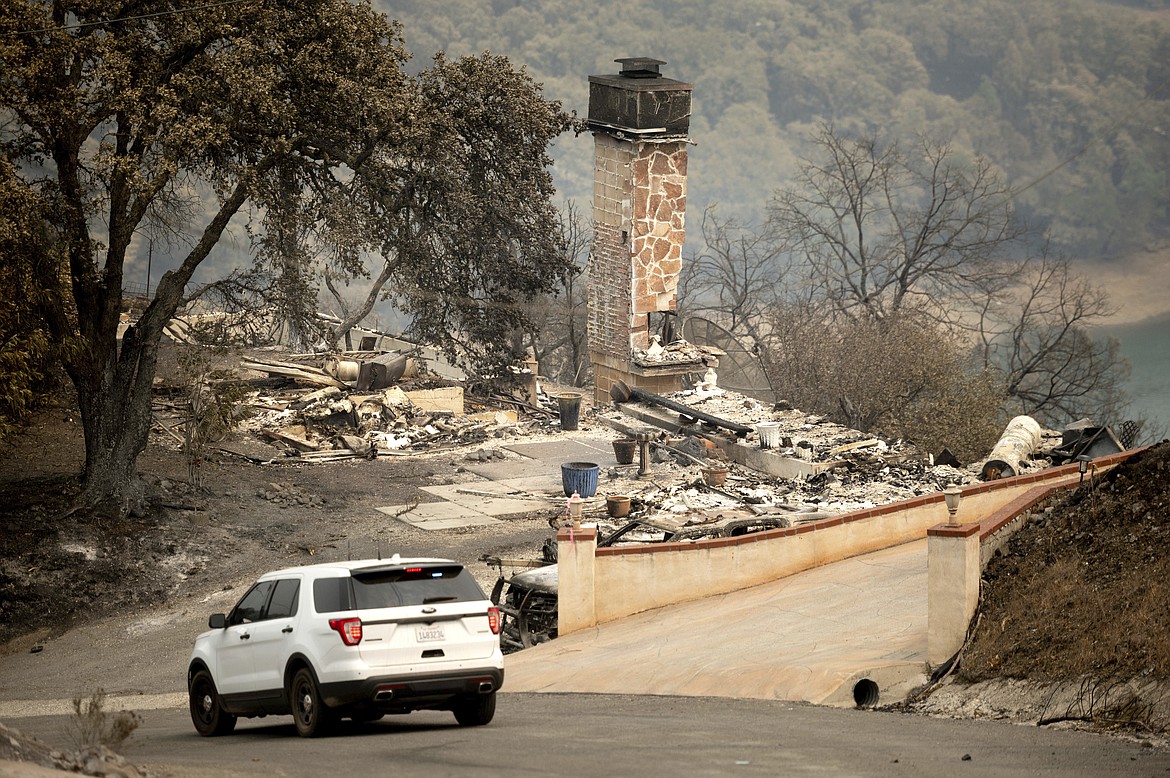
(114, 381)
(116, 432)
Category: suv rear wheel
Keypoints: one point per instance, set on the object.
(207, 713)
(476, 711)
(310, 714)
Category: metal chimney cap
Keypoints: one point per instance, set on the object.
(640, 67)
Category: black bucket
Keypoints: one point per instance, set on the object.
(569, 406)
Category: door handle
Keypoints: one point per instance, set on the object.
(244, 636)
(286, 630)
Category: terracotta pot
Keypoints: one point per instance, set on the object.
(624, 450)
(714, 476)
(617, 505)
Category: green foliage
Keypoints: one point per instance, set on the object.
(25, 355)
(480, 237)
(299, 119)
(210, 405)
(24, 362)
(906, 377)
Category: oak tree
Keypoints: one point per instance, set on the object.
(300, 116)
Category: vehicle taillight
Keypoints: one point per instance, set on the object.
(494, 620)
(349, 629)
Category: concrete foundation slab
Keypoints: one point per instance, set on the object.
(439, 515)
(576, 450)
(490, 499)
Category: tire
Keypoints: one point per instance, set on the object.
(207, 713)
(476, 711)
(497, 590)
(312, 717)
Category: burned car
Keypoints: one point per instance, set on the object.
(528, 606)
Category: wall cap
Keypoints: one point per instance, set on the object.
(584, 533)
(953, 530)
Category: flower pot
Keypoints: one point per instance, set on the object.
(769, 432)
(569, 408)
(624, 450)
(715, 475)
(579, 477)
(617, 505)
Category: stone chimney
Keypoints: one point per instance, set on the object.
(640, 122)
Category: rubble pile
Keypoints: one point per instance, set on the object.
(678, 352)
(837, 470)
(857, 471)
(330, 423)
(290, 495)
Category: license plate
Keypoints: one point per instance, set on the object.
(428, 633)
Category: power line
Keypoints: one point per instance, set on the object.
(1097, 138)
(137, 17)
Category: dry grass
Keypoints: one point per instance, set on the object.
(1079, 596)
(92, 726)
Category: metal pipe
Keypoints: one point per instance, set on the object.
(620, 392)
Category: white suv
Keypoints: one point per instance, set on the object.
(350, 639)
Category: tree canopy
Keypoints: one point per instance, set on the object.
(1069, 99)
(299, 117)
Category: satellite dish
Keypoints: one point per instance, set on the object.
(740, 369)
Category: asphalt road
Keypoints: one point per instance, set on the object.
(588, 735)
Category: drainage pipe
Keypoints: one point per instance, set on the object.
(866, 693)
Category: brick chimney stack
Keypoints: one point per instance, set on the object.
(640, 122)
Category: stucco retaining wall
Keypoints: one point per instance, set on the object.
(609, 583)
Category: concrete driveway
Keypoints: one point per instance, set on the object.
(811, 637)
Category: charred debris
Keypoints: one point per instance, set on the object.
(706, 462)
(704, 457)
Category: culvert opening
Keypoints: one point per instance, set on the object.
(865, 693)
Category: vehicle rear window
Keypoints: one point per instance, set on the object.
(331, 595)
(394, 587)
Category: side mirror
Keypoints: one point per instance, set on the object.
(217, 621)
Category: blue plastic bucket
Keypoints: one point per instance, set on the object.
(579, 477)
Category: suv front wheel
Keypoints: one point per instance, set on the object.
(207, 713)
(312, 717)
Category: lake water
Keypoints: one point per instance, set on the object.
(1146, 345)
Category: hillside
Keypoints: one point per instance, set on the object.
(1078, 598)
(1069, 98)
